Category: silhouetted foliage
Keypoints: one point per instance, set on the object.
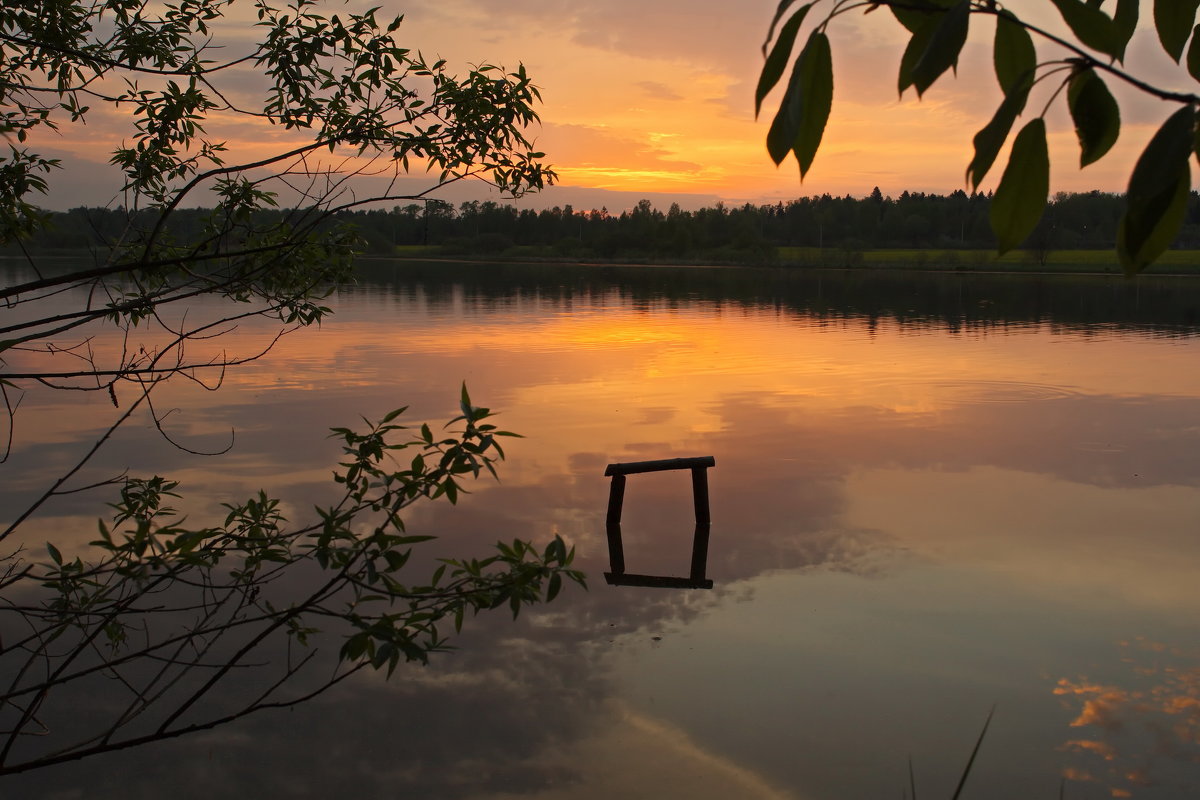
(1072, 68)
(173, 624)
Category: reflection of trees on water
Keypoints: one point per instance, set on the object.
(1166, 305)
(1140, 731)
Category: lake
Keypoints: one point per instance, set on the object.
(932, 494)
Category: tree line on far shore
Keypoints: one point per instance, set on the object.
(741, 234)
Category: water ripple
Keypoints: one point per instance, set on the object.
(1007, 391)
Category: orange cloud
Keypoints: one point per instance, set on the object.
(1074, 774)
(1146, 730)
(1101, 749)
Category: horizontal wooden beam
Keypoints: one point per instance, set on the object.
(634, 467)
(658, 581)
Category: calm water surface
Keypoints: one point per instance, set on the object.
(932, 495)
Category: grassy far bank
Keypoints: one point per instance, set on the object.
(1173, 262)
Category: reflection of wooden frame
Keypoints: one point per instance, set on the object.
(616, 499)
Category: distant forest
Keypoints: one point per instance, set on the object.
(745, 234)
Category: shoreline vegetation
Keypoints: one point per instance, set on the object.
(1175, 263)
(1079, 262)
(916, 231)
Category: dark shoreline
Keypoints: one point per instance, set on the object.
(925, 262)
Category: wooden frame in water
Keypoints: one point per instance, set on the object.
(616, 499)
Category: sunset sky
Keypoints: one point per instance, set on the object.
(655, 100)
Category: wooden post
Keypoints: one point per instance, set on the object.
(703, 523)
(616, 499)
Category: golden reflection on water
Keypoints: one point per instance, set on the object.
(636, 755)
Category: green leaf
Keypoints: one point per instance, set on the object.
(1125, 20)
(918, 43)
(1174, 20)
(991, 137)
(354, 647)
(393, 414)
(1145, 232)
(1013, 53)
(800, 122)
(1095, 113)
(945, 43)
(911, 15)
(555, 585)
(402, 541)
(1164, 156)
(1021, 196)
(1158, 193)
(465, 402)
(773, 67)
(1193, 67)
(1091, 26)
(782, 133)
(55, 555)
(784, 5)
